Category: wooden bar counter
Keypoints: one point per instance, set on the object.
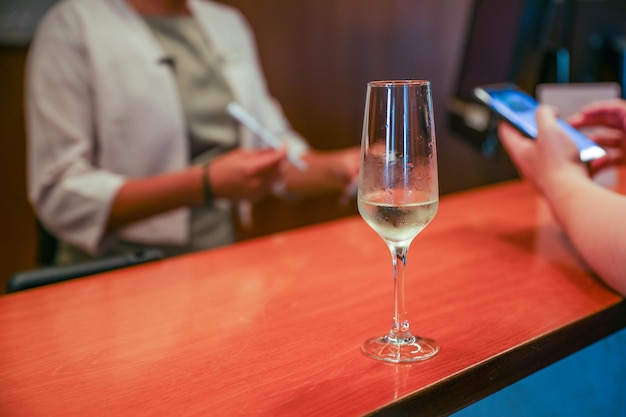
(273, 326)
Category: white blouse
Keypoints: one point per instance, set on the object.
(103, 105)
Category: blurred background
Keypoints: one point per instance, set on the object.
(318, 56)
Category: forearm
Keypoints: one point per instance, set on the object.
(141, 198)
(327, 172)
(592, 216)
(317, 179)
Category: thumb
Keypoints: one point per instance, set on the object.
(552, 135)
(548, 128)
(546, 117)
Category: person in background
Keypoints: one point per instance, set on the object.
(591, 214)
(129, 141)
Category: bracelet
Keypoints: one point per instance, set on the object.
(206, 186)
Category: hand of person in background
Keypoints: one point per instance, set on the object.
(346, 165)
(236, 175)
(610, 117)
(347, 171)
(244, 174)
(328, 171)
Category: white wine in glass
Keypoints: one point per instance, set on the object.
(398, 194)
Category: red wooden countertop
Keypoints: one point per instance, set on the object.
(273, 326)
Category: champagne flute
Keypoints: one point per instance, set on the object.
(398, 194)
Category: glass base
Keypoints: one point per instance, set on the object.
(400, 350)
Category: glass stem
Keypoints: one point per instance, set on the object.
(400, 330)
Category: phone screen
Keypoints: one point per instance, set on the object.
(518, 108)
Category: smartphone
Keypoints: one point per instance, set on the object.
(518, 108)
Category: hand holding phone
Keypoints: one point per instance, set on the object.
(242, 116)
(519, 108)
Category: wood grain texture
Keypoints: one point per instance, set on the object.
(272, 326)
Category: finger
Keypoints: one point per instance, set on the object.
(259, 186)
(607, 137)
(611, 113)
(613, 157)
(345, 167)
(546, 117)
(613, 104)
(266, 160)
(547, 121)
(512, 139)
(268, 175)
(551, 133)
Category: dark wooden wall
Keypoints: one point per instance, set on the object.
(318, 56)
(17, 223)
